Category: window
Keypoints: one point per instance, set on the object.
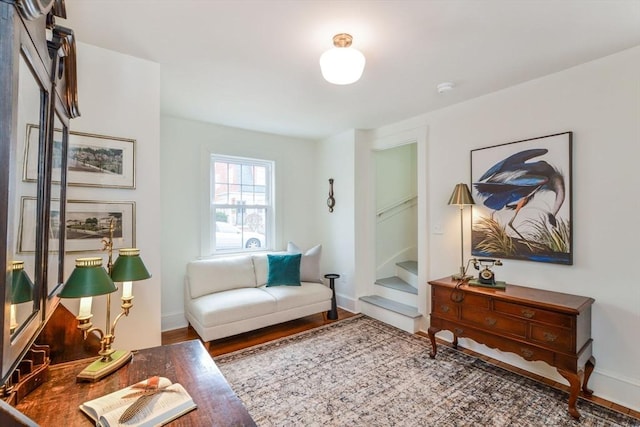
(241, 203)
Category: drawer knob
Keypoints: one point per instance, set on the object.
(444, 308)
(549, 337)
(458, 331)
(456, 296)
(528, 313)
(490, 321)
(526, 352)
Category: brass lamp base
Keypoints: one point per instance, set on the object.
(460, 275)
(100, 369)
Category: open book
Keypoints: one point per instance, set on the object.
(171, 402)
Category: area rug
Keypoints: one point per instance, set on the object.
(362, 372)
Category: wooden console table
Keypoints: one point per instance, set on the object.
(532, 323)
(56, 401)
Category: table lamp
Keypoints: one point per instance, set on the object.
(21, 290)
(90, 279)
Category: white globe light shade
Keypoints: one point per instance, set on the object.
(342, 65)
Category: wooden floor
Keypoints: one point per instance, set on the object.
(260, 336)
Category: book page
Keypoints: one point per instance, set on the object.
(162, 408)
(107, 403)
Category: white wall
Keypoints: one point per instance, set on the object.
(119, 95)
(395, 175)
(397, 226)
(336, 159)
(600, 102)
(184, 159)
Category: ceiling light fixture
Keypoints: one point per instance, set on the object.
(342, 65)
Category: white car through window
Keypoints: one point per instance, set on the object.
(231, 237)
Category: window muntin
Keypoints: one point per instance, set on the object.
(241, 203)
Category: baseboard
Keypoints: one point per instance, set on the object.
(612, 387)
(347, 303)
(172, 321)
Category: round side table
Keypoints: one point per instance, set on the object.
(333, 313)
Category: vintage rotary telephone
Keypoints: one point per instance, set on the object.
(486, 275)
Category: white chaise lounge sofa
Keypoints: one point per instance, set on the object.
(230, 295)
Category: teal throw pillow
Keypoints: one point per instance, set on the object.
(283, 270)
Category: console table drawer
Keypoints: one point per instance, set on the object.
(522, 349)
(492, 321)
(446, 308)
(527, 352)
(533, 313)
(552, 337)
(458, 296)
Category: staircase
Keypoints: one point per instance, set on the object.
(395, 299)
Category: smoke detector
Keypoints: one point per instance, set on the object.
(445, 87)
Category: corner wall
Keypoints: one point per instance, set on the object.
(336, 159)
(600, 102)
(119, 95)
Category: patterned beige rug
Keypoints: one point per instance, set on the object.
(361, 372)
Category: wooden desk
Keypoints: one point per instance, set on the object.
(56, 401)
(533, 323)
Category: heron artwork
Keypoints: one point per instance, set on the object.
(514, 181)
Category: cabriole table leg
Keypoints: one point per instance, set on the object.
(588, 369)
(574, 389)
(432, 336)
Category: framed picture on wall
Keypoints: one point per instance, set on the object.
(87, 223)
(27, 226)
(93, 160)
(522, 192)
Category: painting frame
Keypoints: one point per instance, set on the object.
(524, 200)
(84, 149)
(81, 239)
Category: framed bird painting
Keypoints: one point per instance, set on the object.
(522, 193)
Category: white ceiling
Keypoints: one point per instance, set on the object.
(253, 64)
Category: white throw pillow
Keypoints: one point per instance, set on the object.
(310, 263)
(207, 276)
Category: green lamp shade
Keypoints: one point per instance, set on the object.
(88, 279)
(21, 285)
(129, 267)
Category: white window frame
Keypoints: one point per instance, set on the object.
(208, 240)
